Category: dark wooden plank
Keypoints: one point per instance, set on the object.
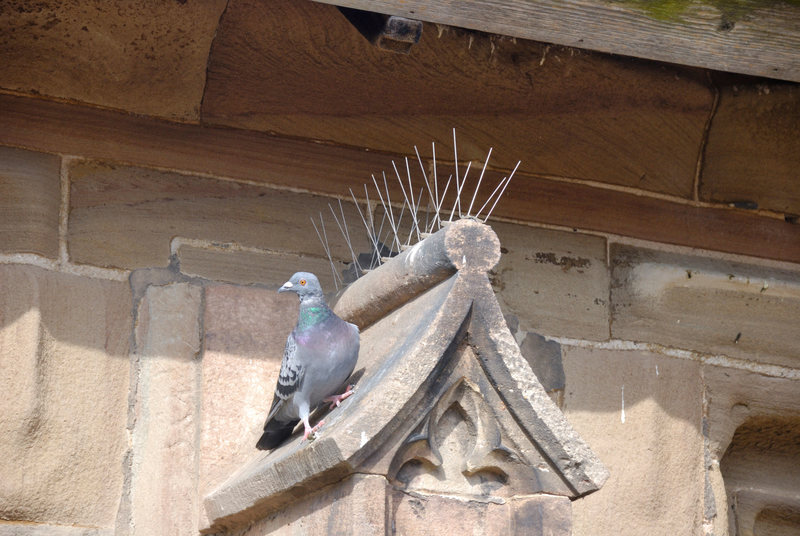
(300, 69)
(753, 151)
(751, 37)
(72, 130)
(147, 58)
(94, 133)
(596, 209)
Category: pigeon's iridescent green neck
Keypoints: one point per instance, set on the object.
(312, 315)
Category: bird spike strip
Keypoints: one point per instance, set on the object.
(391, 235)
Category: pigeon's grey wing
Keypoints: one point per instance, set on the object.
(277, 404)
(290, 378)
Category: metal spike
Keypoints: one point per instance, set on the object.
(326, 247)
(427, 186)
(416, 213)
(364, 220)
(437, 222)
(347, 237)
(501, 192)
(475, 194)
(402, 187)
(459, 186)
(369, 210)
(391, 213)
(386, 209)
(380, 196)
(372, 227)
(444, 194)
(378, 250)
(458, 196)
(408, 203)
(427, 219)
(360, 214)
(414, 208)
(399, 224)
(496, 189)
(345, 233)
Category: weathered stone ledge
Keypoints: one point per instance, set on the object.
(44, 529)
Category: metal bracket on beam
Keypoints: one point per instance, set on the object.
(395, 34)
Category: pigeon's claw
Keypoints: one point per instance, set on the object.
(311, 432)
(335, 400)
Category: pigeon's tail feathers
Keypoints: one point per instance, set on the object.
(275, 432)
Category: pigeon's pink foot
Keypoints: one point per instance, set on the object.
(311, 431)
(335, 400)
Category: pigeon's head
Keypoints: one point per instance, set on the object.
(304, 284)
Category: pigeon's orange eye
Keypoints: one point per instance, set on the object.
(303, 282)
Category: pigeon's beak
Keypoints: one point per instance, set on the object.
(286, 286)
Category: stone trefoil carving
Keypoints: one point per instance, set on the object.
(481, 456)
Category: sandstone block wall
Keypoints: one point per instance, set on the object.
(140, 338)
(64, 374)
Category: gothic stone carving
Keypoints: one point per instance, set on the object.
(447, 413)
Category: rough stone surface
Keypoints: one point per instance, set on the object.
(245, 334)
(356, 505)
(777, 522)
(735, 396)
(29, 202)
(252, 267)
(431, 515)
(126, 217)
(555, 282)
(739, 398)
(544, 357)
(141, 57)
(701, 304)
(164, 496)
(64, 377)
(761, 472)
(521, 390)
(31, 529)
(641, 413)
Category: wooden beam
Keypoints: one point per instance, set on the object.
(585, 207)
(563, 112)
(753, 152)
(750, 37)
(145, 58)
(328, 169)
(106, 135)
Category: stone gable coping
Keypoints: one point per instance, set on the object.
(435, 350)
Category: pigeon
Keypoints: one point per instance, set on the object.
(321, 353)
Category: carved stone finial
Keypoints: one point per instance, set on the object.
(472, 246)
